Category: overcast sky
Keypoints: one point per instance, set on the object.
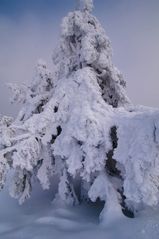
(29, 30)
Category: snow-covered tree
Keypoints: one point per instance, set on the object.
(77, 123)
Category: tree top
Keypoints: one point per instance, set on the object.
(86, 5)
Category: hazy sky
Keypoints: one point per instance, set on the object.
(29, 30)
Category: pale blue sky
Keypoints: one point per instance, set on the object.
(29, 29)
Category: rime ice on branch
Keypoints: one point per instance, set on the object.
(78, 124)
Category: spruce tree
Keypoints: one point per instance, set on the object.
(78, 124)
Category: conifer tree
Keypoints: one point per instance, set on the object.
(78, 124)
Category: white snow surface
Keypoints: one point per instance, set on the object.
(40, 219)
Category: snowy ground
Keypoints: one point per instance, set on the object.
(39, 219)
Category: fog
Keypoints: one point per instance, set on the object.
(21, 45)
(133, 30)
